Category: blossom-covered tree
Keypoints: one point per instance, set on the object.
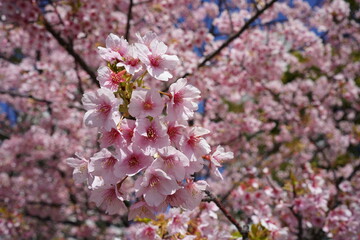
(107, 93)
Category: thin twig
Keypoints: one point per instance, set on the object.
(244, 232)
(233, 37)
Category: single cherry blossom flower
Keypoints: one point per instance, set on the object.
(127, 127)
(155, 185)
(184, 100)
(141, 210)
(193, 145)
(109, 79)
(102, 164)
(105, 197)
(217, 158)
(133, 160)
(111, 138)
(150, 135)
(80, 165)
(193, 192)
(157, 63)
(102, 109)
(179, 222)
(172, 161)
(131, 61)
(145, 103)
(116, 47)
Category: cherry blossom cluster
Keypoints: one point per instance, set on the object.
(149, 152)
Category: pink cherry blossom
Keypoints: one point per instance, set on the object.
(102, 164)
(172, 161)
(109, 79)
(80, 165)
(105, 197)
(157, 62)
(132, 161)
(116, 48)
(155, 185)
(145, 103)
(150, 135)
(184, 100)
(102, 109)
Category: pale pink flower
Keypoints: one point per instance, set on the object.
(145, 103)
(193, 192)
(109, 79)
(155, 185)
(184, 100)
(111, 138)
(80, 165)
(131, 62)
(133, 160)
(193, 145)
(217, 158)
(178, 222)
(116, 48)
(127, 127)
(172, 161)
(102, 109)
(147, 38)
(157, 63)
(105, 197)
(141, 210)
(148, 232)
(102, 164)
(175, 131)
(150, 135)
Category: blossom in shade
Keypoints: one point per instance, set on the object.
(133, 160)
(102, 164)
(102, 109)
(116, 47)
(184, 100)
(179, 221)
(175, 131)
(150, 135)
(157, 62)
(193, 192)
(109, 79)
(155, 185)
(80, 165)
(145, 103)
(127, 127)
(105, 197)
(172, 161)
(111, 138)
(141, 210)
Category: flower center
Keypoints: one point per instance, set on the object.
(151, 134)
(117, 78)
(133, 62)
(155, 61)
(133, 161)
(105, 109)
(148, 105)
(109, 162)
(178, 98)
(154, 181)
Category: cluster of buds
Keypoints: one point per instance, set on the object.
(149, 152)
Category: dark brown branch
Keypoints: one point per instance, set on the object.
(69, 48)
(244, 232)
(16, 94)
(129, 16)
(233, 37)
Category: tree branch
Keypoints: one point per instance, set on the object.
(243, 231)
(69, 48)
(129, 15)
(233, 37)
